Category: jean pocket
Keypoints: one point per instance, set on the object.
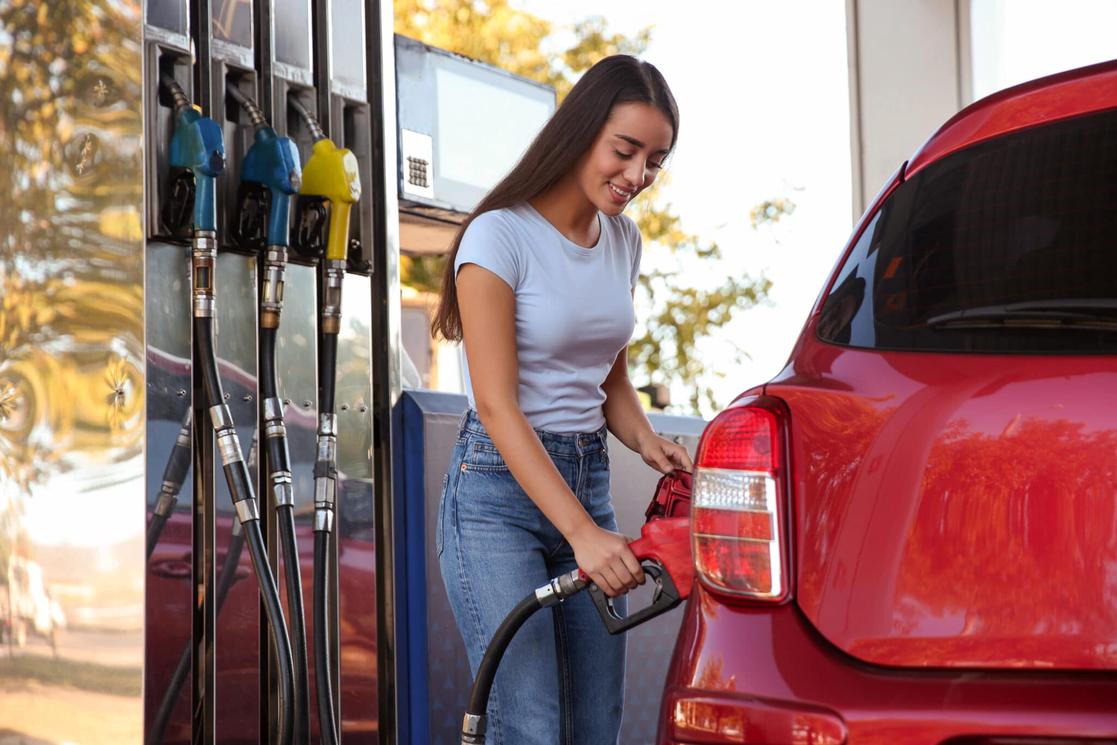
(439, 527)
(483, 456)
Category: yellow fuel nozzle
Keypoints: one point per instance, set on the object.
(331, 172)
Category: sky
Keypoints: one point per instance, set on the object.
(763, 94)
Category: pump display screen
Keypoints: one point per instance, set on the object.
(292, 33)
(168, 14)
(348, 30)
(232, 22)
(482, 128)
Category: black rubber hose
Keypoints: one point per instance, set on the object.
(279, 459)
(286, 518)
(240, 487)
(154, 530)
(486, 672)
(178, 464)
(182, 670)
(327, 370)
(323, 676)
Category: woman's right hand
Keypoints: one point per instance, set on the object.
(606, 558)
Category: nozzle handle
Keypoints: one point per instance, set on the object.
(663, 549)
(337, 245)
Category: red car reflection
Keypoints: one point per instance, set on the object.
(909, 535)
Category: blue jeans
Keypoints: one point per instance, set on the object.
(562, 677)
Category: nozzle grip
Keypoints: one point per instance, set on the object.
(337, 245)
(663, 548)
(279, 230)
(205, 202)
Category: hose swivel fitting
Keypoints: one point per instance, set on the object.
(325, 474)
(332, 279)
(203, 259)
(560, 588)
(473, 729)
(271, 298)
(282, 485)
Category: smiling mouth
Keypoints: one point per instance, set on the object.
(620, 192)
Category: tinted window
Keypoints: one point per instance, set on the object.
(1007, 246)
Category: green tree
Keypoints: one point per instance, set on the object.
(663, 351)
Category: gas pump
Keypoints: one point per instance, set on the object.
(197, 145)
(331, 173)
(273, 163)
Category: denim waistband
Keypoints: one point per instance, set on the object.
(572, 443)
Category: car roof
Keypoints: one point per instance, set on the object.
(1061, 96)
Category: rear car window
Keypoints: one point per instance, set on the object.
(1007, 246)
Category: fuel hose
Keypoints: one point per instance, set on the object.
(197, 144)
(174, 473)
(331, 172)
(558, 589)
(273, 162)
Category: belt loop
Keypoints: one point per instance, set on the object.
(462, 420)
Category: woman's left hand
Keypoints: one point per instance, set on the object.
(662, 454)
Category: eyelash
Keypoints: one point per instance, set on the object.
(626, 156)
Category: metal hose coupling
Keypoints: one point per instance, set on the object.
(325, 474)
(333, 277)
(203, 259)
(180, 98)
(271, 298)
(176, 469)
(228, 446)
(311, 123)
(254, 112)
(282, 485)
(560, 588)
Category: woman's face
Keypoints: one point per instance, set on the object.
(625, 157)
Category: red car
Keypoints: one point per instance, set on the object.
(909, 536)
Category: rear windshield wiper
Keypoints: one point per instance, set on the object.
(1077, 313)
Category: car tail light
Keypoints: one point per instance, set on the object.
(738, 513)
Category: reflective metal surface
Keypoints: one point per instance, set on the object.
(297, 373)
(71, 374)
(237, 654)
(347, 52)
(357, 577)
(169, 594)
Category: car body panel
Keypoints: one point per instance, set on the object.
(1042, 101)
(956, 510)
(745, 655)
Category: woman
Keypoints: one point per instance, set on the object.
(539, 287)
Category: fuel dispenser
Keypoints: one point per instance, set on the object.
(164, 269)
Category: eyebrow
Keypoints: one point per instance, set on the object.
(636, 143)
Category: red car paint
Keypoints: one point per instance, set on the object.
(953, 535)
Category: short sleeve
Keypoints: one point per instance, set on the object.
(490, 243)
(637, 246)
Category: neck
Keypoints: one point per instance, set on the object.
(565, 207)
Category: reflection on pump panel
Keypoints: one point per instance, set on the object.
(246, 223)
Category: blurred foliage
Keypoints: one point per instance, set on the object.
(71, 274)
(664, 348)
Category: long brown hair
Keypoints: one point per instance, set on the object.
(564, 139)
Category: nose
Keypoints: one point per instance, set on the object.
(636, 174)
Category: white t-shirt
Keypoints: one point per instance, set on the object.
(573, 308)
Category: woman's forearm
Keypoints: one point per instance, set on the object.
(624, 414)
(532, 468)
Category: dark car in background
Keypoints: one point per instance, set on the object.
(909, 535)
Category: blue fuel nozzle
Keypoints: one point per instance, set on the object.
(198, 145)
